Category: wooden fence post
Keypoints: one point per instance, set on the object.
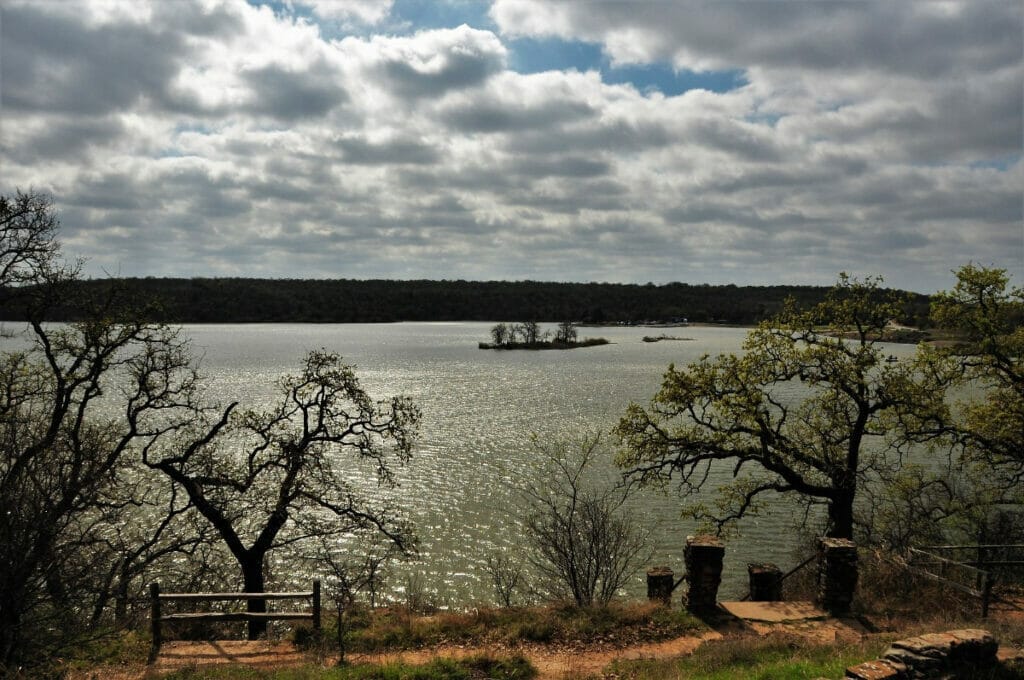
(986, 594)
(154, 594)
(316, 605)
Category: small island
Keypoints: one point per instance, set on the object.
(527, 335)
(659, 338)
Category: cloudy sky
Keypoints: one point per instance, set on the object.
(721, 141)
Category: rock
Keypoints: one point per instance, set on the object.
(877, 670)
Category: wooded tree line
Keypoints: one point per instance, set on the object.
(236, 300)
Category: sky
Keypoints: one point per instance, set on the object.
(725, 141)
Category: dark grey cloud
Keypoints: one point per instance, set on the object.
(566, 166)
(459, 69)
(290, 96)
(68, 138)
(510, 116)
(53, 63)
(621, 136)
(915, 38)
(359, 151)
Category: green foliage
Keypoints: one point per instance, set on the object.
(989, 315)
(794, 414)
(965, 491)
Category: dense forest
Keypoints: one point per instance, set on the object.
(239, 300)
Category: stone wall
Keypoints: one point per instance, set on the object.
(956, 654)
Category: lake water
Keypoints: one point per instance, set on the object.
(462, 488)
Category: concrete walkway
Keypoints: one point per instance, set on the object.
(775, 612)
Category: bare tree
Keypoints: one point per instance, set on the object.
(585, 544)
(530, 332)
(506, 574)
(75, 400)
(266, 479)
(566, 333)
(500, 334)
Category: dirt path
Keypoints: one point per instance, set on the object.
(553, 663)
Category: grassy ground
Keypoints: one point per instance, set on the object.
(475, 668)
(775, 657)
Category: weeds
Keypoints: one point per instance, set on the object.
(395, 628)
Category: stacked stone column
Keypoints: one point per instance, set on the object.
(659, 585)
(837, 574)
(765, 582)
(703, 556)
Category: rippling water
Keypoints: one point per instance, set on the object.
(479, 409)
(461, 489)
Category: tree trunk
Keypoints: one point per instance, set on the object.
(252, 574)
(840, 516)
(121, 594)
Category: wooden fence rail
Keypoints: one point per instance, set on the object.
(159, 618)
(958, 575)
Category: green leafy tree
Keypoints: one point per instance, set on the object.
(989, 315)
(807, 410)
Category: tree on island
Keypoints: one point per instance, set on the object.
(528, 335)
(737, 417)
(500, 334)
(530, 332)
(566, 333)
(266, 479)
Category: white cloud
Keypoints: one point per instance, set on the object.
(206, 138)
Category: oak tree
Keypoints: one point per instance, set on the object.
(807, 410)
(270, 478)
(989, 315)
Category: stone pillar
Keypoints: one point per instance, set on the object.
(765, 582)
(703, 556)
(659, 585)
(837, 574)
